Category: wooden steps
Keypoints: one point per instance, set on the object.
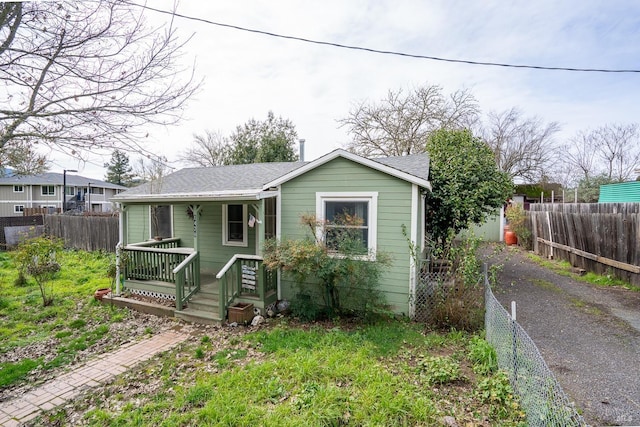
(203, 307)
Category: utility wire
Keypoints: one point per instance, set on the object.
(387, 52)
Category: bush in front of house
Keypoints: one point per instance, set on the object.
(334, 272)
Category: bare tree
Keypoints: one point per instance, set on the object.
(23, 160)
(152, 171)
(87, 75)
(210, 149)
(611, 151)
(401, 123)
(524, 147)
(580, 155)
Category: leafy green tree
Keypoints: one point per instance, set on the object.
(589, 187)
(37, 258)
(336, 265)
(467, 185)
(262, 142)
(119, 171)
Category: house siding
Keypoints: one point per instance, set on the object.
(394, 210)
(623, 192)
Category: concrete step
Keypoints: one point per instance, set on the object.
(198, 316)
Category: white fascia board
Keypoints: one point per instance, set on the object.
(353, 157)
(182, 197)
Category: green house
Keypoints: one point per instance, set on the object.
(197, 235)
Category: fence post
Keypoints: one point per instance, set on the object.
(514, 343)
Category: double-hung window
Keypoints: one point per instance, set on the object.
(18, 189)
(48, 190)
(348, 220)
(234, 225)
(18, 208)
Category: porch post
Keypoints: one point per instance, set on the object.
(122, 242)
(196, 209)
(260, 227)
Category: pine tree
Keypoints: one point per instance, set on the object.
(119, 171)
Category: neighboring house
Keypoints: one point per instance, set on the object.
(45, 191)
(213, 223)
(622, 192)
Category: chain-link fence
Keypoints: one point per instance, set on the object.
(432, 280)
(533, 382)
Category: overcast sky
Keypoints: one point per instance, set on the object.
(247, 74)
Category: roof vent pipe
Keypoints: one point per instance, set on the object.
(302, 150)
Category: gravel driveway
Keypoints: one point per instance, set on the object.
(588, 335)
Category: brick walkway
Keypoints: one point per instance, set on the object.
(98, 371)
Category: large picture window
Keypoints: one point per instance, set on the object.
(234, 225)
(348, 217)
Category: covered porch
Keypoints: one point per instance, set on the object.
(203, 275)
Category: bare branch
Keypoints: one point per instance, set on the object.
(524, 147)
(401, 123)
(210, 149)
(88, 75)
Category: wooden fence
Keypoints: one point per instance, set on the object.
(599, 237)
(89, 233)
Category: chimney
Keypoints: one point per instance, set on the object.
(302, 150)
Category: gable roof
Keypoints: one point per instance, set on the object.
(53, 178)
(252, 181)
(413, 168)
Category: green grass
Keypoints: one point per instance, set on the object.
(386, 374)
(74, 322)
(564, 269)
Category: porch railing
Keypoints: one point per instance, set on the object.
(164, 261)
(187, 279)
(244, 275)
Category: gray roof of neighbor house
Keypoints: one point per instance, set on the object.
(253, 180)
(53, 178)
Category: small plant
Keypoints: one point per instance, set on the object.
(37, 257)
(199, 353)
(483, 356)
(497, 392)
(440, 369)
(205, 339)
(21, 280)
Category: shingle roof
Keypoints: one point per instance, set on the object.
(413, 164)
(216, 179)
(53, 178)
(252, 179)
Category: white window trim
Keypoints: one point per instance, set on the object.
(355, 196)
(18, 191)
(245, 232)
(17, 210)
(42, 187)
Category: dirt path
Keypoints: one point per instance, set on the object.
(589, 336)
